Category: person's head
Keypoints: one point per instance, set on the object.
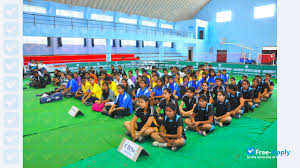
(124, 76)
(105, 86)
(120, 67)
(153, 73)
(224, 71)
(31, 61)
(219, 81)
(231, 88)
(124, 82)
(185, 79)
(56, 71)
(67, 69)
(62, 75)
(166, 79)
(167, 93)
(244, 77)
(137, 71)
(177, 75)
(212, 73)
(107, 79)
(206, 64)
(165, 72)
(159, 82)
(154, 77)
(91, 80)
(268, 76)
(92, 68)
(117, 76)
(205, 86)
(194, 78)
(130, 73)
(219, 73)
(191, 68)
(87, 75)
(112, 67)
(44, 70)
(203, 75)
(202, 100)
(75, 74)
(121, 88)
(69, 76)
(83, 68)
(254, 82)
(79, 68)
(41, 61)
(171, 79)
(245, 84)
(143, 102)
(139, 78)
(144, 74)
(232, 80)
(170, 110)
(258, 77)
(221, 96)
(188, 75)
(143, 84)
(190, 92)
(35, 74)
(83, 80)
(100, 68)
(197, 73)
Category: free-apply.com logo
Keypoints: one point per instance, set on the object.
(253, 153)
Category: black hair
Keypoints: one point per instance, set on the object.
(105, 83)
(246, 81)
(83, 78)
(124, 74)
(185, 77)
(139, 76)
(170, 92)
(255, 80)
(172, 106)
(171, 77)
(192, 89)
(107, 78)
(224, 70)
(117, 74)
(219, 79)
(203, 97)
(121, 86)
(267, 74)
(232, 78)
(144, 81)
(130, 71)
(245, 76)
(222, 92)
(158, 79)
(194, 76)
(219, 71)
(165, 69)
(257, 76)
(145, 98)
(124, 80)
(137, 69)
(232, 87)
(91, 78)
(205, 82)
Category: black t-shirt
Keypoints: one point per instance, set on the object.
(189, 102)
(144, 117)
(56, 76)
(47, 77)
(208, 94)
(256, 91)
(247, 94)
(113, 71)
(235, 100)
(171, 125)
(136, 87)
(265, 85)
(202, 114)
(240, 84)
(162, 104)
(222, 108)
(215, 91)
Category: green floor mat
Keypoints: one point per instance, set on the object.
(220, 148)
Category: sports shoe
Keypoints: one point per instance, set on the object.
(158, 144)
(44, 95)
(220, 124)
(174, 148)
(202, 133)
(88, 103)
(141, 139)
(238, 116)
(128, 133)
(256, 105)
(116, 116)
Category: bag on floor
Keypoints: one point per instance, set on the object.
(98, 107)
(54, 97)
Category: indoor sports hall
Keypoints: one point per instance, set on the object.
(155, 37)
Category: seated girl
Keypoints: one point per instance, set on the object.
(190, 100)
(222, 109)
(206, 92)
(174, 87)
(202, 120)
(247, 93)
(236, 101)
(256, 92)
(184, 85)
(148, 116)
(122, 105)
(128, 88)
(167, 98)
(157, 91)
(106, 101)
(171, 133)
(83, 88)
(93, 94)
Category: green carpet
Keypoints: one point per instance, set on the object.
(53, 139)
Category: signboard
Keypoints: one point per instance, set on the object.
(74, 111)
(131, 149)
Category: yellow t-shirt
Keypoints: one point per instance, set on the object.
(101, 82)
(85, 87)
(96, 91)
(190, 79)
(199, 78)
(113, 87)
(180, 81)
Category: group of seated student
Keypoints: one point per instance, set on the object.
(40, 77)
(207, 99)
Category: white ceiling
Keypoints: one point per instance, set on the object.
(171, 10)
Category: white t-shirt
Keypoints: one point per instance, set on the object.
(40, 66)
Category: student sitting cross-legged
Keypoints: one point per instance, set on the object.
(190, 100)
(222, 109)
(171, 131)
(106, 101)
(83, 88)
(148, 116)
(122, 105)
(71, 88)
(202, 120)
(93, 94)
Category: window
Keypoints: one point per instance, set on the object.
(166, 26)
(151, 24)
(167, 44)
(224, 16)
(149, 43)
(68, 13)
(126, 20)
(34, 9)
(73, 41)
(34, 40)
(102, 17)
(128, 42)
(201, 23)
(101, 42)
(264, 11)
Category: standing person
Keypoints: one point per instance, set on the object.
(71, 88)
(222, 109)
(190, 101)
(256, 92)
(157, 91)
(148, 117)
(120, 70)
(122, 105)
(171, 131)
(202, 120)
(131, 77)
(106, 101)
(113, 70)
(174, 87)
(236, 101)
(93, 94)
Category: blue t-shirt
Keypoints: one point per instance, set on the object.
(73, 84)
(124, 101)
(174, 86)
(142, 92)
(211, 80)
(157, 91)
(224, 78)
(195, 84)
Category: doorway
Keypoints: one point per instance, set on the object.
(190, 54)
